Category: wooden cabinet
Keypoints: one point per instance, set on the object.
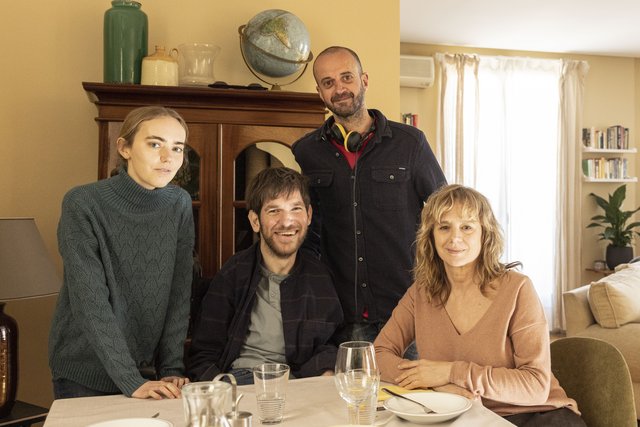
(233, 133)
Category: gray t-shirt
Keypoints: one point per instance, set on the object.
(265, 339)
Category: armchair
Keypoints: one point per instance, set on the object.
(609, 309)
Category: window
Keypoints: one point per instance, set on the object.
(500, 130)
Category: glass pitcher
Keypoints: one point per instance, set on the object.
(206, 403)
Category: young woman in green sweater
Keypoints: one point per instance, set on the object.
(126, 244)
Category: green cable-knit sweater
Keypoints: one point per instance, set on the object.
(124, 304)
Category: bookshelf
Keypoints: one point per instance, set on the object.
(410, 119)
(605, 155)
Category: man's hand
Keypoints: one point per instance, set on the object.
(328, 373)
(157, 390)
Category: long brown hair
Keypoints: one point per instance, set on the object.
(429, 272)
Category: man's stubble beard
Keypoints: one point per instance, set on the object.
(347, 113)
(269, 241)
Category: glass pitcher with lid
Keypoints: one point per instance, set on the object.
(206, 403)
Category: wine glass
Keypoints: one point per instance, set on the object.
(356, 373)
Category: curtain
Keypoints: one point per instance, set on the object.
(506, 129)
(458, 106)
(569, 218)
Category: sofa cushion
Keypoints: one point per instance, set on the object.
(624, 339)
(615, 299)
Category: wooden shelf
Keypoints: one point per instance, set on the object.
(603, 272)
(608, 150)
(599, 180)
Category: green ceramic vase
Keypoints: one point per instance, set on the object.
(125, 42)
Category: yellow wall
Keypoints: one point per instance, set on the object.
(611, 95)
(49, 138)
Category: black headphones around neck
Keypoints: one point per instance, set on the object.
(351, 140)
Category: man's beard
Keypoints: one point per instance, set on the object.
(346, 111)
(273, 247)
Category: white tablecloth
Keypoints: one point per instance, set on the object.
(311, 402)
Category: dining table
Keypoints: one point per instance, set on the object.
(310, 402)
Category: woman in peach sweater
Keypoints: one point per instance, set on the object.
(479, 327)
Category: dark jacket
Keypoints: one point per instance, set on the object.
(311, 312)
(394, 175)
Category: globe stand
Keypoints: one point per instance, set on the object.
(274, 86)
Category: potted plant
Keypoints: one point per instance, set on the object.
(616, 230)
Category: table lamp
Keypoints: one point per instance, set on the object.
(26, 271)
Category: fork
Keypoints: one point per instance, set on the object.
(425, 408)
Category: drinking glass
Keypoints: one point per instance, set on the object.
(270, 381)
(356, 373)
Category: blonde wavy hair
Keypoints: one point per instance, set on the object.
(429, 273)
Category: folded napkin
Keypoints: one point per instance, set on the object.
(382, 396)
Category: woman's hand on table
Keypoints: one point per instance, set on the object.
(157, 390)
(423, 374)
(455, 389)
(177, 381)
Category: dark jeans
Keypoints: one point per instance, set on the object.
(245, 376)
(562, 417)
(65, 389)
(242, 376)
(369, 332)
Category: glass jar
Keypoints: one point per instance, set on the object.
(195, 62)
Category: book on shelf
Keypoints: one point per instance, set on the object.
(592, 137)
(410, 119)
(612, 138)
(614, 168)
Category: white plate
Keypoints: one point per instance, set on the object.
(133, 422)
(446, 405)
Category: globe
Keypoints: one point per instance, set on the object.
(275, 43)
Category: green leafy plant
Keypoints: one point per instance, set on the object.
(614, 220)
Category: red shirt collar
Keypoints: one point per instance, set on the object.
(348, 155)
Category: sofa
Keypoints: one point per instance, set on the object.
(609, 309)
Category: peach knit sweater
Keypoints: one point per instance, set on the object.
(504, 358)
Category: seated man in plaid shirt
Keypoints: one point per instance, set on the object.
(269, 303)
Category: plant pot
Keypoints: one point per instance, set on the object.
(617, 255)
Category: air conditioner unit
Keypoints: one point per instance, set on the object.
(416, 71)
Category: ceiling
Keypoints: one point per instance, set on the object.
(596, 27)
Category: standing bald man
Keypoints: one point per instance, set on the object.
(369, 178)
